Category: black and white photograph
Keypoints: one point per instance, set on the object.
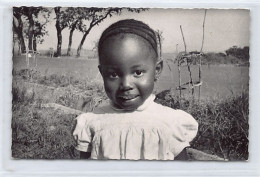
(124, 83)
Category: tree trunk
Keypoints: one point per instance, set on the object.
(92, 24)
(82, 41)
(22, 44)
(30, 32)
(19, 31)
(58, 27)
(34, 44)
(70, 39)
(59, 36)
(19, 48)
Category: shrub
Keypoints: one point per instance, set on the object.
(44, 133)
(223, 124)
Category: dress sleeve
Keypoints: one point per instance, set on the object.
(188, 126)
(184, 129)
(82, 133)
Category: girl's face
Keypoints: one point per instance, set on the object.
(128, 67)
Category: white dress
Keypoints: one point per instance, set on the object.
(151, 132)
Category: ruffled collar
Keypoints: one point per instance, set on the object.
(146, 103)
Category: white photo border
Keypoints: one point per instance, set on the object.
(9, 167)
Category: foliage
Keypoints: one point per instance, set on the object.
(18, 29)
(192, 58)
(241, 53)
(82, 19)
(31, 26)
(95, 16)
(221, 58)
(40, 132)
(223, 124)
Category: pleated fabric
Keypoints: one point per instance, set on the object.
(152, 132)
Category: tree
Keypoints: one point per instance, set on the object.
(241, 53)
(95, 16)
(29, 24)
(18, 27)
(74, 18)
(65, 17)
(60, 25)
(39, 32)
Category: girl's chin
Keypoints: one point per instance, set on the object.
(129, 105)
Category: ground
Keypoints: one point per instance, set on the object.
(42, 132)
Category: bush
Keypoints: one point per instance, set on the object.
(44, 133)
(40, 132)
(241, 53)
(221, 58)
(223, 125)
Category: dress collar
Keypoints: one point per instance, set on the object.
(146, 103)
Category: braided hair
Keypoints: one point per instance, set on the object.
(133, 27)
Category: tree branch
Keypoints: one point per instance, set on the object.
(98, 21)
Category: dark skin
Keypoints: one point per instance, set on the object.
(129, 67)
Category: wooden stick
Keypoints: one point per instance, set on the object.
(203, 26)
(179, 73)
(187, 61)
(191, 81)
(179, 70)
(183, 39)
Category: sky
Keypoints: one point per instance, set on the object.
(223, 29)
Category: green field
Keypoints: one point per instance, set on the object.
(40, 132)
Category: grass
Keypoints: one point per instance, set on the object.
(39, 132)
(223, 124)
(61, 72)
(221, 58)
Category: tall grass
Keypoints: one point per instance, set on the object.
(44, 133)
(223, 124)
(40, 133)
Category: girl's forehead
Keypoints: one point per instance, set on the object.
(129, 40)
(126, 45)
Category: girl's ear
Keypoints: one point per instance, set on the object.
(158, 69)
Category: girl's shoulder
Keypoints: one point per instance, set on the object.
(170, 112)
(100, 110)
(175, 116)
(84, 117)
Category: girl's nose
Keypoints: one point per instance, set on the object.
(126, 83)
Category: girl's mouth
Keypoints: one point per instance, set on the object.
(127, 97)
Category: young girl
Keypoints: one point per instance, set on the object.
(132, 126)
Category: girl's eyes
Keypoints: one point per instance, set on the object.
(139, 73)
(113, 75)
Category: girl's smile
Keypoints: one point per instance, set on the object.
(128, 67)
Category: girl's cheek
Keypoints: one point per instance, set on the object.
(111, 86)
(148, 80)
(147, 83)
